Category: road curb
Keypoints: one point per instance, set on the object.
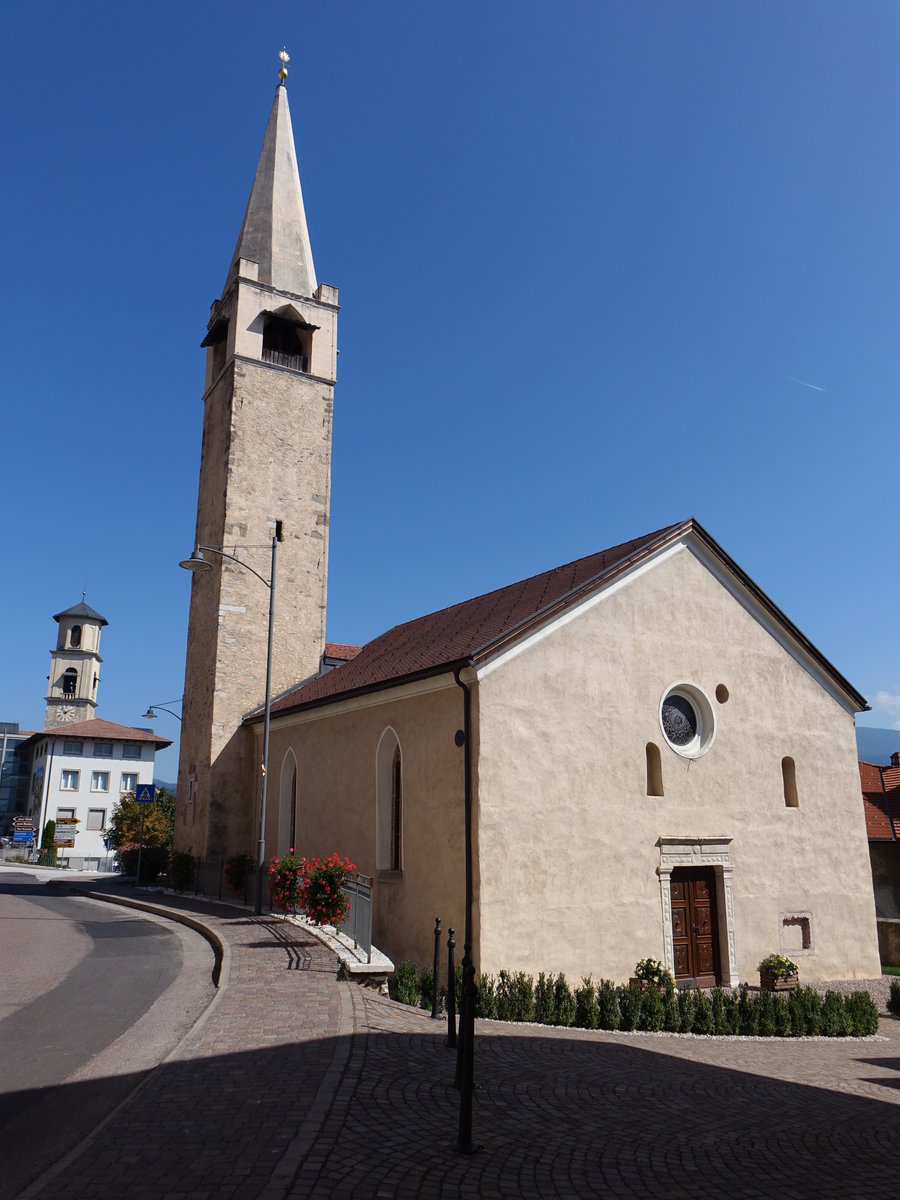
(221, 972)
(221, 950)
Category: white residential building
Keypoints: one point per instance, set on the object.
(78, 773)
(79, 765)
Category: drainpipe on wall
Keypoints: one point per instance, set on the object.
(467, 1007)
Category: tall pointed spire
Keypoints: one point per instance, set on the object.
(274, 232)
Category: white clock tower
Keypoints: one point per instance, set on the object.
(74, 666)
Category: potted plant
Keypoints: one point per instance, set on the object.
(650, 972)
(777, 973)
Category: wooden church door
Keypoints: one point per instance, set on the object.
(695, 933)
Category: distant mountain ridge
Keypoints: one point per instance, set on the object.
(877, 745)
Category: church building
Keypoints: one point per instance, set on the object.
(658, 762)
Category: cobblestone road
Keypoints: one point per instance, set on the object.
(298, 1085)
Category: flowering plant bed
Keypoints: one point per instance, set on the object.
(778, 973)
(312, 885)
(285, 881)
(320, 889)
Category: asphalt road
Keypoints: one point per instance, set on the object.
(89, 994)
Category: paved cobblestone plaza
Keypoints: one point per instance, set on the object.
(296, 1084)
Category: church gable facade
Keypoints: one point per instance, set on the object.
(658, 762)
(662, 765)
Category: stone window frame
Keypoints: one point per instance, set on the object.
(700, 851)
(698, 700)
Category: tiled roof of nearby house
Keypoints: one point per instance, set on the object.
(470, 631)
(881, 803)
(341, 650)
(102, 731)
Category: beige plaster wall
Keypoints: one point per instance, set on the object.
(567, 836)
(335, 749)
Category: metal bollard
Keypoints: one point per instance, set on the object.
(451, 994)
(436, 999)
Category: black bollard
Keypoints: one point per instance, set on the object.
(466, 1055)
(436, 1000)
(451, 994)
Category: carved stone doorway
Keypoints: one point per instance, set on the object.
(713, 856)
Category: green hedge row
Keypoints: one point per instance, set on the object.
(514, 996)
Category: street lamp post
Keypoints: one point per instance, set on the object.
(151, 714)
(198, 563)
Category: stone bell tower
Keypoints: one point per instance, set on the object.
(271, 365)
(74, 666)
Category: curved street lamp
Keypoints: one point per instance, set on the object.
(151, 714)
(198, 563)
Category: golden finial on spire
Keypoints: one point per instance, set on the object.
(285, 59)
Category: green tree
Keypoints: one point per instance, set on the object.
(124, 830)
(47, 856)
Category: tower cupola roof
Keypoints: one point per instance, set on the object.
(82, 610)
(274, 232)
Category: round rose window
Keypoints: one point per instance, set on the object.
(687, 721)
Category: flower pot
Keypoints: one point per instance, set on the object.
(778, 983)
(645, 985)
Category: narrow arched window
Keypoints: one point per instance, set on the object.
(75, 637)
(654, 771)
(389, 803)
(70, 681)
(789, 782)
(396, 810)
(294, 808)
(287, 806)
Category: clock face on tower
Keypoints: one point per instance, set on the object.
(66, 713)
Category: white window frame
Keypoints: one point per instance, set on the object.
(96, 828)
(64, 786)
(65, 812)
(123, 787)
(98, 775)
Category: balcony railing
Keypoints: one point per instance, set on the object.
(294, 362)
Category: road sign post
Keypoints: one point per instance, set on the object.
(145, 794)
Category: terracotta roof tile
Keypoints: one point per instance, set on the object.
(341, 650)
(881, 805)
(102, 730)
(452, 635)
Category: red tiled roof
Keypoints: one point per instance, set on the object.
(453, 635)
(881, 805)
(103, 731)
(474, 629)
(341, 650)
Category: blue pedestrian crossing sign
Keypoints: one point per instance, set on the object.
(145, 794)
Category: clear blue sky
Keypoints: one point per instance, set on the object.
(601, 266)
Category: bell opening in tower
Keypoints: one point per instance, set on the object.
(287, 344)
